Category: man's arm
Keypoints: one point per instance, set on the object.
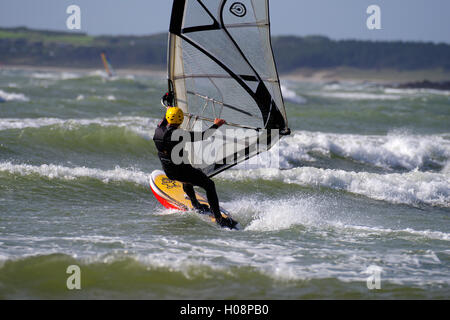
(195, 136)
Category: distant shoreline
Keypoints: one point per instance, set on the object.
(383, 76)
(135, 71)
(308, 58)
(342, 74)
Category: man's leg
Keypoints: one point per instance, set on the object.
(190, 177)
(213, 200)
(189, 190)
(209, 186)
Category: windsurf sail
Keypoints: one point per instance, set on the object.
(108, 68)
(221, 65)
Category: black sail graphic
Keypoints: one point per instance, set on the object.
(221, 65)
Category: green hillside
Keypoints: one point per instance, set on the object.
(21, 46)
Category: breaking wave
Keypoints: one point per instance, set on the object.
(395, 150)
(51, 171)
(140, 125)
(291, 96)
(6, 96)
(411, 188)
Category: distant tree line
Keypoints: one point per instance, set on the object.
(320, 52)
(48, 48)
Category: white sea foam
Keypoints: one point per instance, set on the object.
(411, 188)
(7, 96)
(428, 234)
(446, 169)
(356, 95)
(353, 91)
(395, 150)
(56, 75)
(6, 124)
(140, 125)
(274, 215)
(416, 92)
(314, 213)
(98, 73)
(291, 96)
(66, 173)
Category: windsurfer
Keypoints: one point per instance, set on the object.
(165, 142)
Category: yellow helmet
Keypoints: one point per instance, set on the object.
(175, 115)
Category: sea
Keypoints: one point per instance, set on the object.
(358, 208)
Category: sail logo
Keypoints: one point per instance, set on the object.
(238, 9)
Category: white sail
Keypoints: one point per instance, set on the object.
(221, 65)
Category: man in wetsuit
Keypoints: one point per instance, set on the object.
(186, 173)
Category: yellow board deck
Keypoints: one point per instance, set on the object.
(171, 195)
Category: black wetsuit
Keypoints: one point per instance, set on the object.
(185, 173)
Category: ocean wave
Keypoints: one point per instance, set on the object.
(6, 96)
(122, 276)
(105, 76)
(52, 171)
(356, 96)
(276, 214)
(411, 188)
(426, 234)
(56, 75)
(62, 76)
(11, 123)
(315, 214)
(258, 270)
(291, 96)
(419, 92)
(140, 125)
(369, 91)
(395, 150)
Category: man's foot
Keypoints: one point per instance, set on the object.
(202, 208)
(226, 222)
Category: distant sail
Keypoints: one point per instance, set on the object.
(221, 65)
(108, 68)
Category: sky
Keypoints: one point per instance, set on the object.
(406, 20)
